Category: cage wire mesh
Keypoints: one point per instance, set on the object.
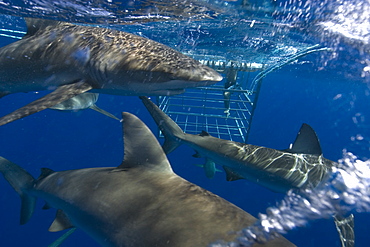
(224, 110)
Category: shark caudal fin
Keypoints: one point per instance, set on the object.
(21, 181)
(172, 132)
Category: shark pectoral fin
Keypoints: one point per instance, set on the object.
(98, 109)
(61, 222)
(202, 166)
(231, 175)
(21, 181)
(345, 228)
(61, 239)
(218, 170)
(209, 168)
(28, 204)
(61, 94)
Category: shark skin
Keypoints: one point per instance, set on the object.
(140, 203)
(81, 102)
(298, 167)
(55, 54)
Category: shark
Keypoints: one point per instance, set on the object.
(70, 59)
(298, 167)
(140, 203)
(80, 102)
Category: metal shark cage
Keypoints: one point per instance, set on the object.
(224, 110)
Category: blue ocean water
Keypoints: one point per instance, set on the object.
(328, 91)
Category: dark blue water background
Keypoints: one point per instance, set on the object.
(334, 102)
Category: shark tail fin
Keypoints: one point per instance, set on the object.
(172, 132)
(22, 182)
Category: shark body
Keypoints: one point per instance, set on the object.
(298, 167)
(140, 203)
(72, 59)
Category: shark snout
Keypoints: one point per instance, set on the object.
(206, 74)
(203, 74)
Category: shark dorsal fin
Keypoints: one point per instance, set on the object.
(45, 172)
(61, 222)
(141, 148)
(46, 206)
(197, 155)
(34, 24)
(204, 133)
(61, 239)
(306, 142)
(231, 175)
